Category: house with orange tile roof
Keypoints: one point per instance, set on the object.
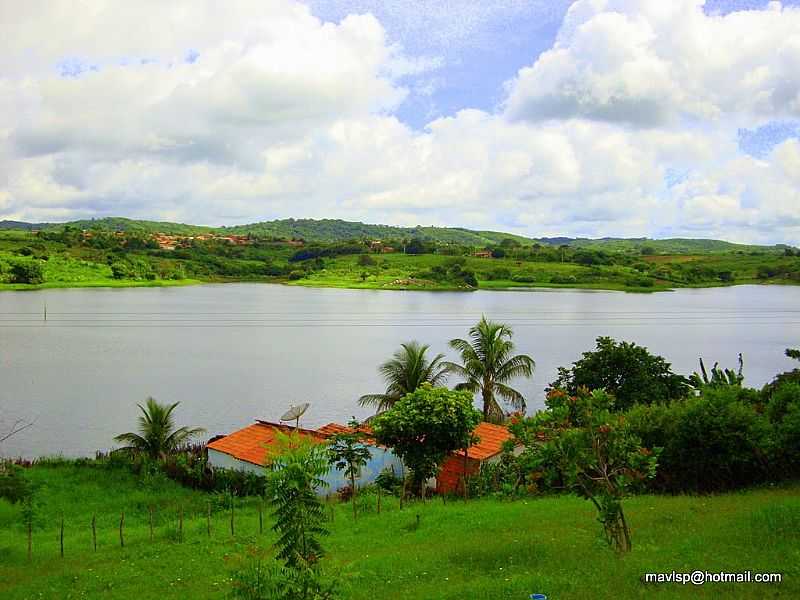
(249, 449)
(488, 449)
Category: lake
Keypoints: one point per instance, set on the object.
(231, 353)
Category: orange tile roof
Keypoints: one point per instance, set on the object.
(252, 443)
(491, 439)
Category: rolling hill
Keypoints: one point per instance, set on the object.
(333, 230)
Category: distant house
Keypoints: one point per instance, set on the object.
(483, 254)
(491, 439)
(249, 450)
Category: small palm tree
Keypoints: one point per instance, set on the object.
(488, 365)
(404, 373)
(157, 435)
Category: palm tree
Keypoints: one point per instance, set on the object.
(488, 365)
(404, 373)
(157, 434)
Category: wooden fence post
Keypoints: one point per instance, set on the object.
(180, 524)
(379, 499)
(232, 528)
(94, 531)
(121, 526)
(150, 508)
(62, 536)
(30, 539)
(208, 520)
(260, 518)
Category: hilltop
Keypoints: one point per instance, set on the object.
(337, 230)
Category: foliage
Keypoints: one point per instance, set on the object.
(157, 435)
(630, 373)
(426, 426)
(348, 453)
(14, 486)
(713, 442)
(263, 579)
(405, 373)
(783, 411)
(581, 443)
(27, 271)
(488, 364)
(719, 377)
(294, 475)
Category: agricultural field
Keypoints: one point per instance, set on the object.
(487, 548)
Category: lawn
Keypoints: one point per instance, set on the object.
(489, 548)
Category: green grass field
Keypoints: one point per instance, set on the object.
(482, 549)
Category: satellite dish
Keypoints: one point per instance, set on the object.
(294, 413)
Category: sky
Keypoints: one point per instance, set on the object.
(540, 117)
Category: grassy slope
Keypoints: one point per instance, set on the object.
(482, 549)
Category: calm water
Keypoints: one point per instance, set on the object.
(234, 352)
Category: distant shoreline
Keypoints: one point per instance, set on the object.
(493, 286)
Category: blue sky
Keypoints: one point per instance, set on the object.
(646, 118)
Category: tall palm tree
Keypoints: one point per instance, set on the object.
(404, 373)
(489, 364)
(157, 435)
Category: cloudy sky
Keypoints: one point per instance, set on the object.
(541, 117)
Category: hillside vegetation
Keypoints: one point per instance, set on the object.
(482, 549)
(334, 253)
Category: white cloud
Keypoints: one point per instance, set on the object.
(650, 62)
(279, 114)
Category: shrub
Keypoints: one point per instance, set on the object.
(711, 442)
(27, 271)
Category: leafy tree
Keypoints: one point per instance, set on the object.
(157, 435)
(630, 373)
(404, 373)
(294, 475)
(365, 260)
(489, 364)
(348, 453)
(425, 427)
(581, 444)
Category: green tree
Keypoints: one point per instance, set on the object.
(348, 453)
(425, 427)
(157, 435)
(580, 443)
(628, 372)
(489, 364)
(294, 475)
(404, 373)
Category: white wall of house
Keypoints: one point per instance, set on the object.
(381, 458)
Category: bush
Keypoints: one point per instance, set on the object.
(499, 274)
(710, 443)
(27, 271)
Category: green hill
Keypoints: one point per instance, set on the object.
(336, 230)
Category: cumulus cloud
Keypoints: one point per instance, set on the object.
(649, 62)
(222, 114)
